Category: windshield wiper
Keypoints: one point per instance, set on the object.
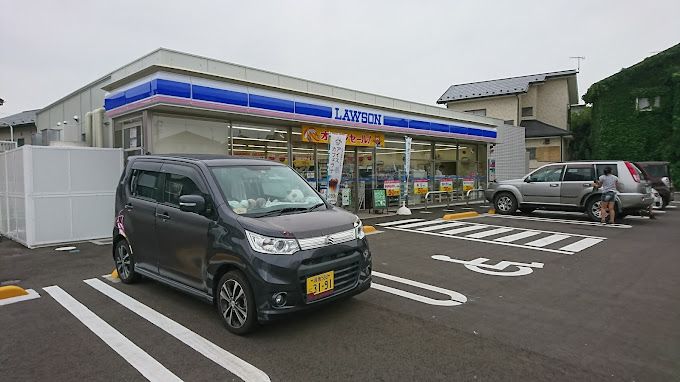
(289, 209)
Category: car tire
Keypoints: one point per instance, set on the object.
(505, 203)
(236, 303)
(593, 209)
(125, 262)
(665, 201)
(527, 210)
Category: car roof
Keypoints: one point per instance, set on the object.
(652, 162)
(211, 159)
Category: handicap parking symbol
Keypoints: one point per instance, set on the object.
(479, 265)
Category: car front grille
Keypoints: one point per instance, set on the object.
(326, 240)
(345, 278)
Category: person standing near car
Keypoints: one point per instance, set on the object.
(609, 184)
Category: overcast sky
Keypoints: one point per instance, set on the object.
(412, 50)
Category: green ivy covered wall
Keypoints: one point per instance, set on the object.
(621, 131)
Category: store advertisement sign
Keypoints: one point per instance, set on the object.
(446, 185)
(336, 155)
(420, 186)
(346, 196)
(407, 162)
(468, 184)
(379, 199)
(316, 134)
(392, 187)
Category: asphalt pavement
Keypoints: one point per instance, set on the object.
(545, 296)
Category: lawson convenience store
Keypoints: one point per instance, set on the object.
(178, 109)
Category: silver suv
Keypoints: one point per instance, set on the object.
(569, 187)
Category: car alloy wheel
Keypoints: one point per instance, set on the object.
(504, 203)
(234, 304)
(123, 261)
(595, 210)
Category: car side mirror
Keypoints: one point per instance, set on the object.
(192, 203)
(527, 180)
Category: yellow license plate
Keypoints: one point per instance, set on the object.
(322, 284)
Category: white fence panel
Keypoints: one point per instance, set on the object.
(59, 194)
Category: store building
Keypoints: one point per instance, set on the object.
(173, 102)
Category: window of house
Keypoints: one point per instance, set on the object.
(532, 153)
(509, 122)
(527, 112)
(480, 112)
(20, 142)
(647, 104)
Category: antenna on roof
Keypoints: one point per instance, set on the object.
(578, 61)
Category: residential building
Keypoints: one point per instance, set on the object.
(23, 126)
(636, 112)
(538, 102)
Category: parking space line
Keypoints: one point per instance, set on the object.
(564, 221)
(441, 226)
(420, 224)
(473, 227)
(228, 361)
(581, 244)
(484, 241)
(131, 353)
(547, 240)
(456, 298)
(492, 232)
(396, 222)
(517, 236)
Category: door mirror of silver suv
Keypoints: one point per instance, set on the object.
(192, 203)
(527, 179)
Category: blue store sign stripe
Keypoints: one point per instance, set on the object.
(205, 93)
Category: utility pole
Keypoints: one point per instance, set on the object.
(578, 61)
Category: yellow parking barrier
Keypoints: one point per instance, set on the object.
(369, 229)
(460, 215)
(491, 211)
(9, 291)
(114, 274)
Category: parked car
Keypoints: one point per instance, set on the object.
(569, 187)
(250, 236)
(659, 176)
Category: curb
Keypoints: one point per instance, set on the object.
(461, 215)
(10, 291)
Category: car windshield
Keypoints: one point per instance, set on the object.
(265, 190)
(655, 170)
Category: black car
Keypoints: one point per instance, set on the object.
(250, 236)
(659, 176)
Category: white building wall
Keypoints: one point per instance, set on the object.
(510, 153)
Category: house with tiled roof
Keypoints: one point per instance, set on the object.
(22, 127)
(539, 103)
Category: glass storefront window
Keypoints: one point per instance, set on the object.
(303, 158)
(189, 135)
(421, 177)
(445, 164)
(260, 142)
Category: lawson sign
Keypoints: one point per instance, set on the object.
(175, 89)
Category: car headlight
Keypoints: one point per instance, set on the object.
(359, 228)
(666, 181)
(272, 245)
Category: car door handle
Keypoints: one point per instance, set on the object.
(554, 185)
(129, 207)
(163, 216)
(587, 184)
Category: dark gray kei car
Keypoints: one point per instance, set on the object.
(250, 236)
